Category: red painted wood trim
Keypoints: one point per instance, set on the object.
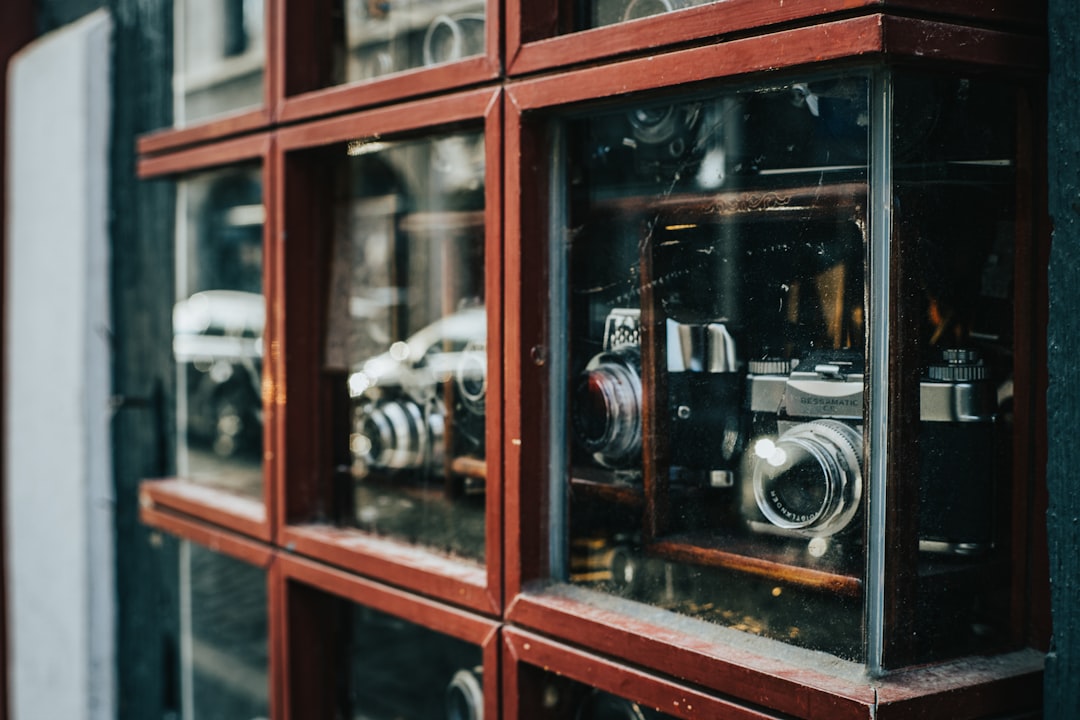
(273, 437)
(233, 512)
(872, 36)
(228, 152)
(413, 608)
(208, 535)
(400, 86)
(494, 287)
(453, 581)
(729, 17)
(785, 680)
(379, 122)
(649, 690)
(219, 128)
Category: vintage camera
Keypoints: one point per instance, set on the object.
(405, 399)
(806, 478)
(399, 434)
(465, 695)
(704, 399)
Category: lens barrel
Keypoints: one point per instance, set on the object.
(809, 481)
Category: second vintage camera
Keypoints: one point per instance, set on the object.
(789, 434)
(421, 404)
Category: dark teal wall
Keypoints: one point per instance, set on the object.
(1063, 397)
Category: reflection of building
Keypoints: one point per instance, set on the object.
(220, 55)
(218, 348)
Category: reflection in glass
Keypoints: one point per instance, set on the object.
(386, 36)
(218, 324)
(408, 328)
(219, 58)
(596, 13)
(955, 209)
(717, 353)
(223, 637)
(403, 671)
(717, 356)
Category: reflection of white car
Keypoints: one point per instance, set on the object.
(400, 400)
(217, 342)
(436, 354)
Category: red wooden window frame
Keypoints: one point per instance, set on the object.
(308, 673)
(244, 550)
(506, 606)
(561, 613)
(300, 94)
(240, 514)
(303, 472)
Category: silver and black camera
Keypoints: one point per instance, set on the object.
(804, 463)
(405, 400)
(704, 383)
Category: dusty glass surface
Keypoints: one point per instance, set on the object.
(223, 642)
(218, 324)
(954, 211)
(387, 36)
(403, 671)
(594, 13)
(407, 331)
(718, 373)
(219, 53)
(715, 252)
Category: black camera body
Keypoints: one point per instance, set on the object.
(704, 399)
(804, 464)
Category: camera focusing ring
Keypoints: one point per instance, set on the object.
(809, 482)
(608, 410)
(400, 436)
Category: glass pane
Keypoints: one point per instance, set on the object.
(218, 327)
(594, 13)
(408, 328)
(402, 671)
(715, 256)
(550, 696)
(955, 213)
(223, 637)
(219, 58)
(386, 36)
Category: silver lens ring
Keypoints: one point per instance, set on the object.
(464, 697)
(400, 442)
(828, 453)
(612, 388)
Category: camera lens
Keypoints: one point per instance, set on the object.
(471, 377)
(810, 479)
(398, 435)
(607, 408)
(464, 697)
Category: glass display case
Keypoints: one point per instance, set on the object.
(407, 328)
(224, 661)
(779, 388)
(218, 326)
(387, 36)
